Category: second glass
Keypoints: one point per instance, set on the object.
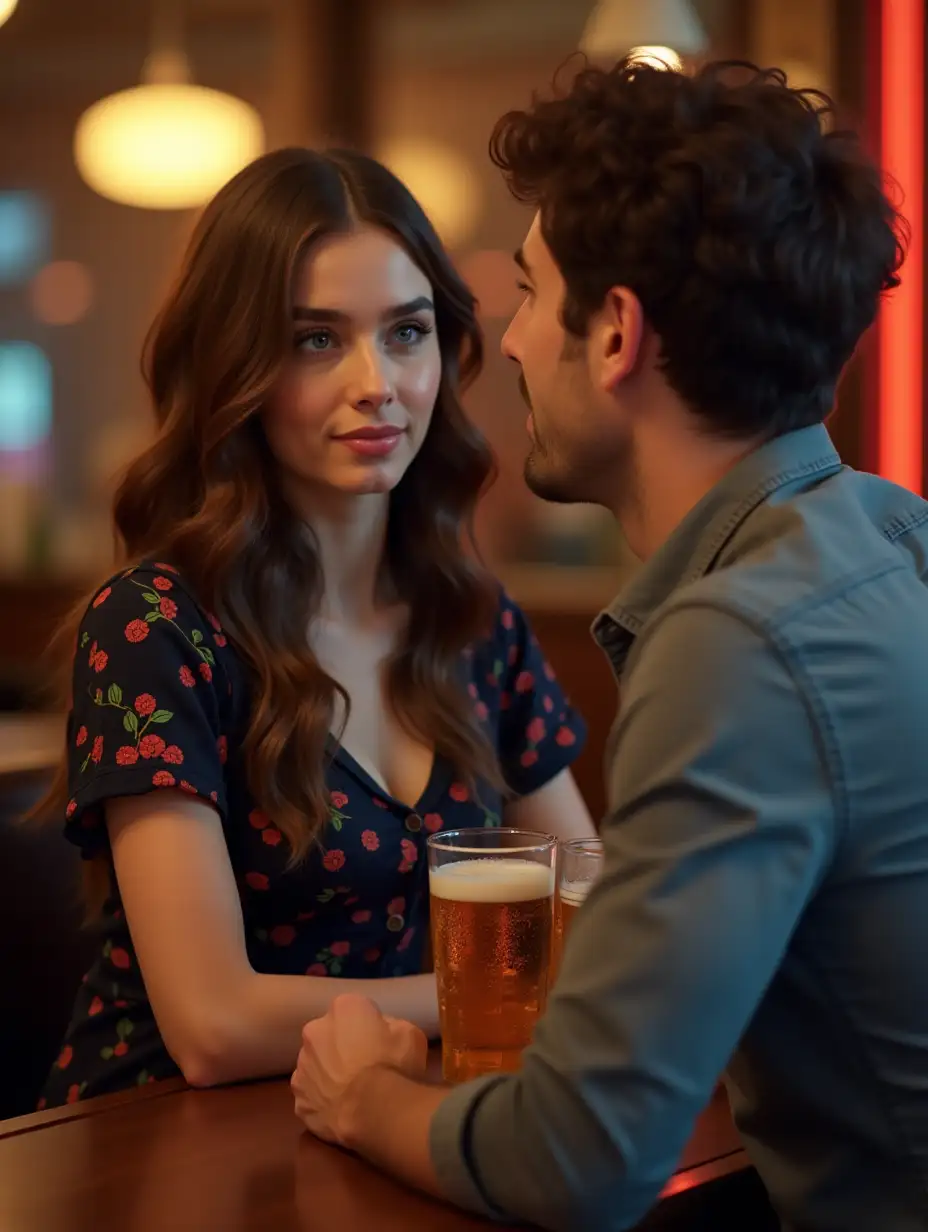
(580, 863)
(492, 895)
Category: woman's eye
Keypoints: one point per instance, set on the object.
(317, 340)
(410, 333)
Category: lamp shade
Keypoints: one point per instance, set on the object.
(165, 146)
(617, 26)
(6, 9)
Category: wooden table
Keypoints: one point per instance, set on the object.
(165, 1158)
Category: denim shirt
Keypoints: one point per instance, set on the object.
(764, 903)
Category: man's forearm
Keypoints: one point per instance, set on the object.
(386, 1118)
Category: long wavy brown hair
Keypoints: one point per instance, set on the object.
(205, 497)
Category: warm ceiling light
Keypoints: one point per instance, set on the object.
(6, 9)
(616, 26)
(657, 57)
(166, 144)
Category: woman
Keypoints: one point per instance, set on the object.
(303, 673)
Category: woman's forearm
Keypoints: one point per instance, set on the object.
(257, 1031)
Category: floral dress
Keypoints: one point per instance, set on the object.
(160, 699)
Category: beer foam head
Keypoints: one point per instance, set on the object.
(574, 892)
(492, 881)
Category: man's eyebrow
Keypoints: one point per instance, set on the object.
(519, 257)
(331, 316)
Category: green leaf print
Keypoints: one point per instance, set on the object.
(130, 722)
(124, 1028)
(85, 638)
(106, 1053)
(325, 897)
(114, 695)
(498, 669)
(335, 967)
(208, 656)
(150, 597)
(151, 617)
(335, 820)
(196, 637)
(142, 1077)
(162, 716)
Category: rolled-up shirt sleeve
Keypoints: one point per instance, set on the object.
(723, 817)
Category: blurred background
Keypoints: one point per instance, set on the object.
(119, 118)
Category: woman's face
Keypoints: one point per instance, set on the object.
(356, 395)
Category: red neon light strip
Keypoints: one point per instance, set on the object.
(901, 321)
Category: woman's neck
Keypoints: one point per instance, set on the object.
(350, 534)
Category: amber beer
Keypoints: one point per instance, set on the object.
(492, 919)
(581, 864)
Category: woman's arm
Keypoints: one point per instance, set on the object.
(556, 808)
(220, 1020)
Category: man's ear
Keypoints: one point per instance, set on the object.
(616, 338)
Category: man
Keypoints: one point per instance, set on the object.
(704, 258)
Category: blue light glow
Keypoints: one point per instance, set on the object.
(25, 396)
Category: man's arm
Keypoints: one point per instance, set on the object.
(722, 825)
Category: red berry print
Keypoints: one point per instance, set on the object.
(95, 1007)
(507, 620)
(165, 568)
(524, 682)
(81, 737)
(222, 748)
(163, 583)
(410, 851)
(472, 690)
(127, 755)
(145, 704)
(361, 917)
(549, 671)
(214, 796)
(100, 660)
(432, 822)
(220, 639)
(188, 788)
(370, 840)
(121, 1049)
(187, 678)
(214, 622)
(257, 881)
(338, 949)
(339, 799)
(271, 836)
(505, 701)
(535, 730)
(174, 755)
(163, 778)
(71, 809)
(151, 746)
(283, 934)
(396, 906)
(381, 804)
(565, 737)
(41, 1105)
(512, 655)
(74, 1094)
(167, 608)
(405, 940)
(65, 1056)
(206, 672)
(529, 757)
(258, 819)
(119, 958)
(334, 860)
(96, 752)
(548, 704)
(136, 631)
(481, 711)
(103, 596)
(317, 969)
(458, 792)
(371, 956)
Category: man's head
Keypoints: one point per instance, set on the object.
(703, 245)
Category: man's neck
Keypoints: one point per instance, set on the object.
(671, 475)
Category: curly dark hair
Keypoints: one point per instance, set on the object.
(757, 236)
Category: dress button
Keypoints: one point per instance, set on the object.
(395, 923)
(414, 823)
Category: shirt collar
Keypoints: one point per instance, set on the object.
(694, 546)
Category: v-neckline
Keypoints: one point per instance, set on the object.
(354, 767)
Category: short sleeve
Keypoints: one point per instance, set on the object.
(147, 703)
(540, 733)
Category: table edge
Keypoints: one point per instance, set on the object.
(82, 1109)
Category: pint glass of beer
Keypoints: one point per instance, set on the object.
(580, 863)
(492, 906)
